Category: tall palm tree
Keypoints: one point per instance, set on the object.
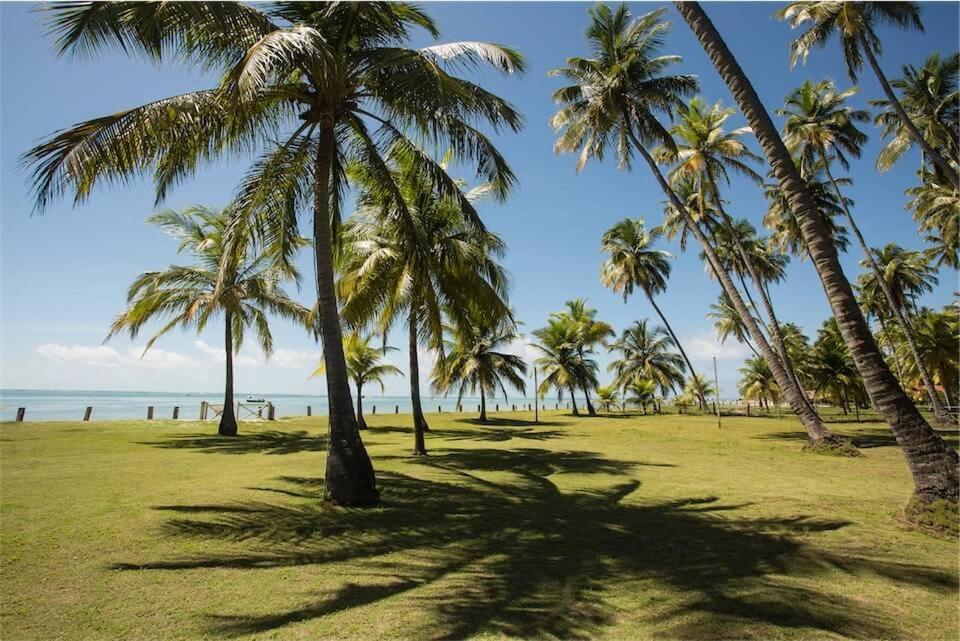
(590, 333)
(937, 336)
(757, 382)
(237, 281)
(936, 207)
(419, 263)
(614, 99)
(561, 364)
(855, 24)
(646, 352)
(930, 97)
(363, 366)
(832, 369)
(318, 85)
(728, 323)
(932, 463)
(633, 263)
(475, 359)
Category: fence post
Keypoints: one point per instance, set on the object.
(150, 412)
(396, 409)
(478, 408)
(20, 412)
(309, 411)
(514, 407)
(496, 407)
(374, 410)
(203, 410)
(439, 410)
(271, 412)
(87, 412)
(176, 412)
(748, 408)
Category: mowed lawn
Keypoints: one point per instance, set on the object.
(624, 527)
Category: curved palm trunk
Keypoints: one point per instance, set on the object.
(361, 422)
(701, 396)
(573, 402)
(419, 423)
(586, 392)
(810, 420)
(483, 405)
(893, 350)
(349, 477)
(228, 420)
(933, 464)
(900, 316)
(942, 163)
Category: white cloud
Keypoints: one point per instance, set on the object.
(521, 347)
(218, 355)
(105, 356)
(704, 345)
(295, 359)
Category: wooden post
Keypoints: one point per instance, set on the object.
(87, 412)
(460, 407)
(176, 412)
(309, 411)
(748, 408)
(150, 412)
(20, 412)
(496, 407)
(439, 410)
(716, 385)
(514, 407)
(374, 408)
(478, 408)
(396, 409)
(203, 410)
(271, 412)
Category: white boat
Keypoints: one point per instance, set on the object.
(256, 399)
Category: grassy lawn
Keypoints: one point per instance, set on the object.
(619, 527)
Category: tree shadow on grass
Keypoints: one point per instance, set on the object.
(267, 442)
(492, 544)
(864, 438)
(492, 432)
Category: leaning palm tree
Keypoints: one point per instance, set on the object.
(728, 323)
(318, 85)
(363, 366)
(475, 361)
(932, 101)
(855, 25)
(417, 263)
(589, 332)
(932, 463)
(237, 281)
(646, 352)
(614, 99)
(632, 263)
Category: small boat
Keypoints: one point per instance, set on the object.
(256, 399)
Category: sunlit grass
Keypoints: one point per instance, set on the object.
(623, 527)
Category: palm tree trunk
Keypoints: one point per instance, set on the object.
(932, 463)
(419, 423)
(361, 422)
(349, 477)
(693, 373)
(939, 412)
(942, 163)
(810, 420)
(483, 405)
(228, 420)
(586, 395)
(573, 402)
(893, 348)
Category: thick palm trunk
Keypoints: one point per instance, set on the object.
(349, 477)
(693, 374)
(942, 163)
(483, 405)
(228, 420)
(900, 316)
(419, 423)
(361, 422)
(573, 403)
(808, 418)
(933, 464)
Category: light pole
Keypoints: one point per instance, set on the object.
(536, 400)
(716, 386)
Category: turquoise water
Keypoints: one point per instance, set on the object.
(67, 405)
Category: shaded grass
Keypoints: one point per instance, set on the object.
(628, 528)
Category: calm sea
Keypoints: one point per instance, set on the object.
(67, 405)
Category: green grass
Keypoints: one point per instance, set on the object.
(620, 527)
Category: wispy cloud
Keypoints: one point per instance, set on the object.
(704, 345)
(106, 356)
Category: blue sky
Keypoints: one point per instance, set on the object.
(64, 274)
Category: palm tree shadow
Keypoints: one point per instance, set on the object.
(493, 546)
(491, 431)
(266, 442)
(865, 437)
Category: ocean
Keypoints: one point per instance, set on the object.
(69, 405)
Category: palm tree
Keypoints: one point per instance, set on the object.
(757, 382)
(632, 263)
(855, 24)
(787, 237)
(317, 85)
(607, 397)
(363, 366)
(646, 352)
(937, 208)
(930, 97)
(475, 361)
(728, 323)
(937, 336)
(643, 392)
(590, 333)
(614, 99)
(237, 280)
(697, 381)
(932, 463)
(419, 263)
(832, 369)
(561, 364)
